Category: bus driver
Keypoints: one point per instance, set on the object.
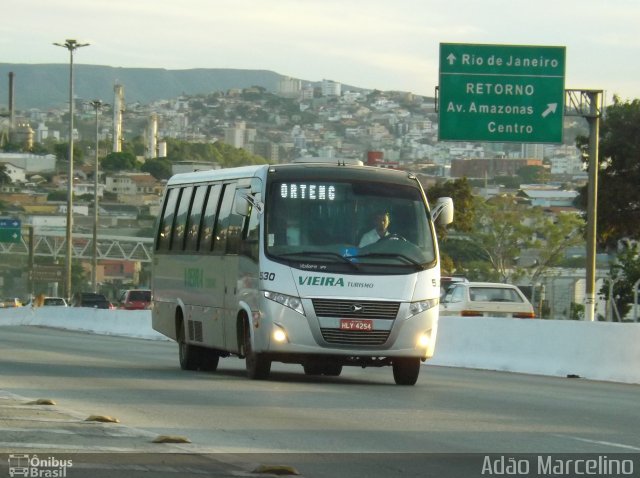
(380, 230)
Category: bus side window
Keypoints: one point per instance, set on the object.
(209, 219)
(195, 217)
(166, 224)
(180, 223)
(221, 230)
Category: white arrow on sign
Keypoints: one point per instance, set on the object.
(451, 58)
(551, 108)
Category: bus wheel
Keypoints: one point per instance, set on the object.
(209, 360)
(406, 370)
(258, 366)
(188, 354)
(332, 370)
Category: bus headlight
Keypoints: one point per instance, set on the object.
(288, 301)
(422, 305)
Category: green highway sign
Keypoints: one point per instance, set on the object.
(10, 230)
(501, 93)
(52, 273)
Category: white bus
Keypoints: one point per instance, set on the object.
(268, 263)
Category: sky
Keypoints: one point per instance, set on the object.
(374, 44)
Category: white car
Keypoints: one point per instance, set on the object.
(55, 301)
(486, 299)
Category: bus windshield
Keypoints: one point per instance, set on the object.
(350, 226)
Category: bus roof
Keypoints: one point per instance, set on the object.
(216, 174)
(304, 169)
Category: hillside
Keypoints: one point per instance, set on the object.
(46, 86)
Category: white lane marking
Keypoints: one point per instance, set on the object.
(602, 442)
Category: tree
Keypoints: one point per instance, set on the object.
(504, 228)
(501, 233)
(619, 174)
(554, 234)
(463, 218)
(533, 174)
(119, 162)
(464, 203)
(4, 176)
(158, 168)
(61, 150)
(625, 271)
(57, 196)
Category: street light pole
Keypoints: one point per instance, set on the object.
(97, 104)
(70, 45)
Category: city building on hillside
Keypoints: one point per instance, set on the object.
(134, 188)
(17, 198)
(81, 189)
(289, 87)
(31, 163)
(331, 88)
(549, 197)
(488, 168)
(15, 173)
(239, 136)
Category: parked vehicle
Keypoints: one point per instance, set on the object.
(11, 302)
(447, 281)
(135, 299)
(91, 299)
(486, 299)
(54, 301)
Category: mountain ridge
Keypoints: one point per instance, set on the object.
(46, 86)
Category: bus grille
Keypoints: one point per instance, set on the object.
(356, 309)
(355, 337)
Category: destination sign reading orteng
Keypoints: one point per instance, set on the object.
(501, 93)
(312, 192)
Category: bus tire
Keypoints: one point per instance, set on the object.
(332, 370)
(406, 370)
(189, 355)
(209, 359)
(258, 365)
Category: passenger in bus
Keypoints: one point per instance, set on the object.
(381, 222)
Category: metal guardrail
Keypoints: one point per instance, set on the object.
(53, 244)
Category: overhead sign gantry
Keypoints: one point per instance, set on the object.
(501, 93)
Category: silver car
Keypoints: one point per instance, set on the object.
(486, 299)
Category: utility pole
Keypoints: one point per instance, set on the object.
(97, 104)
(587, 103)
(71, 45)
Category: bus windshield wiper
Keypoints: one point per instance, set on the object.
(389, 255)
(321, 254)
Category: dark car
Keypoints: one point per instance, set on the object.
(136, 299)
(91, 299)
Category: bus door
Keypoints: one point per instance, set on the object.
(227, 262)
(240, 260)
